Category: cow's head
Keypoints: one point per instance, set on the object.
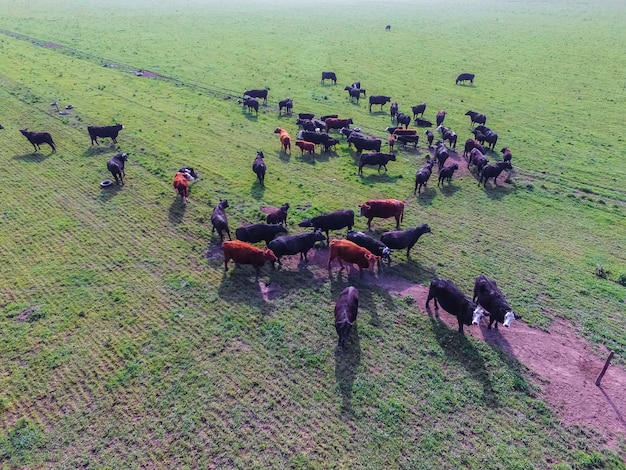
(318, 236)
(478, 315)
(305, 222)
(509, 318)
(372, 261)
(268, 255)
(386, 253)
(365, 208)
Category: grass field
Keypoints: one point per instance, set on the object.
(123, 345)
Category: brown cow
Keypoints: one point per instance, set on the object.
(352, 253)
(245, 253)
(285, 139)
(181, 185)
(304, 145)
(383, 208)
(337, 123)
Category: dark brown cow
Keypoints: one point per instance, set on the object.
(384, 209)
(38, 138)
(346, 309)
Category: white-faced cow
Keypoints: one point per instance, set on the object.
(453, 301)
(491, 298)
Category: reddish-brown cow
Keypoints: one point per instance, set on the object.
(383, 208)
(285, 139)
(245, 253)
(352, 253)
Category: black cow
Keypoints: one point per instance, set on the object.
(116, 166)
(104, 131)
(379, 99)
(361, 143)
(449, 135)
(357, 85)
(393, 109)
(251, 103)
(294, 244)
(484, 134)
(491, 298)
(306, 116)
(430, 137)
(472, 144)
(219, 220)
(476, 118)
(353, 93)
(506, 154)
(259, 168)
(190, 171)
(400, 239)
(346, 309)
(418, 109)
(335, 220)
(441, 115)
(422, 176)
(256, 94)
(287, 103)
(408, 139)
(465, 77)
(278, 216)
(493, 170)
(478, 159)
(255, 233)
(376, 247)
(441, 154)
(421, 122)
(377, 158)
(446, 173)
(38, 138)
(329, 76)
(453, 301)
(403, 119)
(318, 138)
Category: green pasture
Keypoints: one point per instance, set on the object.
(123, 344)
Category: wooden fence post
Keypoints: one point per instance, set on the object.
(606, 366)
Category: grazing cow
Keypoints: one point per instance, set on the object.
(346, 132)
(453, 301)
(383, 208)
(429, 136)
(421, 122)
(335, 220)
(329, 76)
(251, 103)
(287, 103)
(377, 247)
(278, 216)
(418, 109)
(318, 138)
(379, 99)
(313, 125)
(350, 252)
(478, 159)
(464, 77)
(422, 176)
(256, 94)
(38, 138)
(346, 309)
(441, 154)
(377, 158)
(255, 233)
(393, 109)
(259, 168)
(476, 118)
(304, 145)
(400, 131)
(472, 144)
(388, 27)
(449, 135)
(361, 143)
(441, 115)
(446, 173)
(403, 119)
(116, 166)
(219, 220)
(491, 298)
(392, 142)
(400, 239)
(336, 123)
(245, 253)
(354, 93)
(294, 244)
(357, 85)
(408, 139)
(493, 170)
(285, 139)
(104, 131)
(181, 184)
(506, 154)
(484, 134)
(306, 116)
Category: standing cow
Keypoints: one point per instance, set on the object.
(400, 239)
(346, 309)
(382, 208)
(259, 168)
(245, 253)
(104, 131)
(491, 298)
(38, 138)
(453, 301)
(352, 253)
(219, 219)
(116, 166)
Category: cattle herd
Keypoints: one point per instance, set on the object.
(357, 248)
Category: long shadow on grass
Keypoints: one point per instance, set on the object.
(458, 348)
(379, 178)
(426, 196)
(239, 284)
(497, 192)
(256, 190)
(176, 211)
(34, 157)
(96, 151)
(347, 361)
(109, 192)
(284, 156)
(449, 189)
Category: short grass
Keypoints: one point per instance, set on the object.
(124, 346)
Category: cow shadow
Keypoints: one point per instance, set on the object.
(498, 192)
(250, 116)
(240, 285)
(256, 190)
(379, 178)
(459, 349)
(426, 196)
(315, 158)
(96, 151)
(34, 157)
(107, 193)
(379, 113)
(284, 156)
(176, 211)
(347, 362)
(449, 189)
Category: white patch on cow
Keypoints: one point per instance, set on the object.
(478, 315)
(508, 319)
